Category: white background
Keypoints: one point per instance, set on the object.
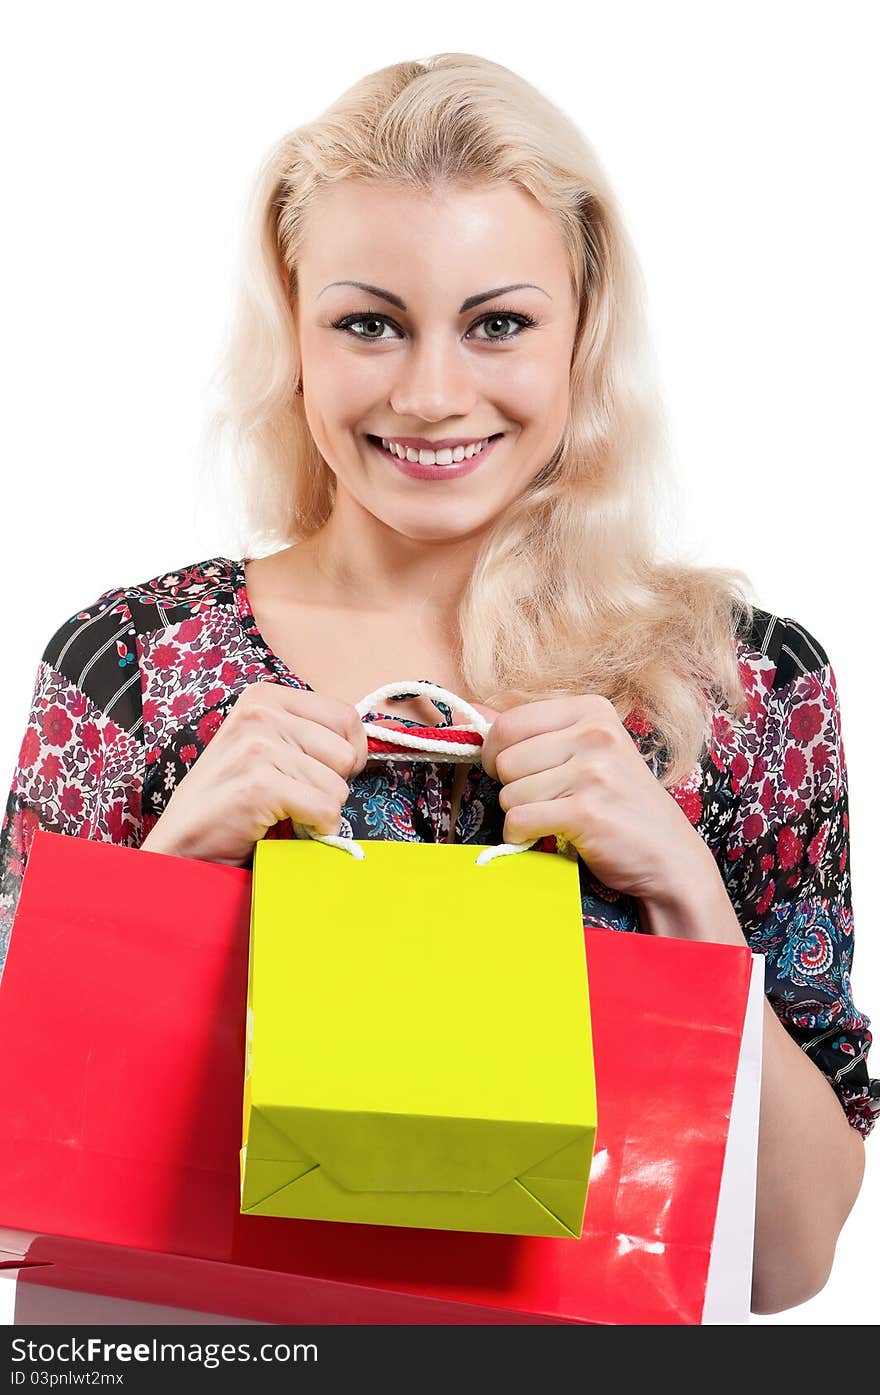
(741, 142)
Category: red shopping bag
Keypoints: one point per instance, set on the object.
(122, 1036)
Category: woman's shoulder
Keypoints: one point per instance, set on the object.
(155, 603)
(95, 649)
(778, 649)
(792, 712)
(183, 592)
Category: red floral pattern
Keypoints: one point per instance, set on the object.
(130, 691)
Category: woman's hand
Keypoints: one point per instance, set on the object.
(569, 766)
(280, 753)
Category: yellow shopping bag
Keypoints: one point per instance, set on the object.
(418, 1048)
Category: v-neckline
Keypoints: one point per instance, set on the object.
(249, 624)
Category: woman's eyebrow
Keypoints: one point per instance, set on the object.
(468, 304)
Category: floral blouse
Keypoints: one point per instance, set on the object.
(130, 690)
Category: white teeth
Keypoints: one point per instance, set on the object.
(445, 456)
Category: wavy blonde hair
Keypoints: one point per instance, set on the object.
(569, 593)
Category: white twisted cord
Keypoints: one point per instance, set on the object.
(458, 753)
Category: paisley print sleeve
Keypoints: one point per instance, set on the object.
(79, 766)
(788, 861)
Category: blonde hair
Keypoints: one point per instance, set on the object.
(569, 594)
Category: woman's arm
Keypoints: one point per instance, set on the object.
(779, 881)
(810, 1159)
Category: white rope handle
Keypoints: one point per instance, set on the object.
(457, 753)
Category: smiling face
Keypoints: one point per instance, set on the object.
(460, 329)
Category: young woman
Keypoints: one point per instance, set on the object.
(448, 456)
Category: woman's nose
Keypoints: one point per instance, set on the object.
(433, 383)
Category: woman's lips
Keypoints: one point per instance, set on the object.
(436, 472)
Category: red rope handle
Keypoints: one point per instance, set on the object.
(376, 746)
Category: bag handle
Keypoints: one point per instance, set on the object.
(455, 744)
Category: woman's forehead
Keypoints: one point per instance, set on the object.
(468, 238)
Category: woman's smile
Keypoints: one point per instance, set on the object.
(445, 463)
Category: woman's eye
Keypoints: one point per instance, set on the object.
(372, 322)
(492, 322)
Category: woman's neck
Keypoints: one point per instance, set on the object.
(378, 571)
